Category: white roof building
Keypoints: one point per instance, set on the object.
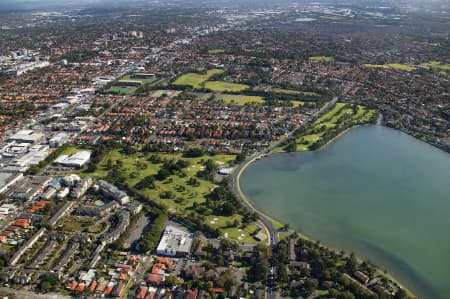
(175, 242)
(27, 136)
(78, 160)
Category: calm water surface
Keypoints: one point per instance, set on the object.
(375, 191)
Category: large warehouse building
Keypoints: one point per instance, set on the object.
(77, 160)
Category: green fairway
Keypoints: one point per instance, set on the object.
(241, 235)
(129, 78)
(294, 92)
(240, 99)
(437, 64)
(339, 118)
(322, 58)
(196, 80)
(395, 66)
(120, 90)
(169, 93)
(221, 86)
(443, 68)
(183, 196)
(401, 67)
(216, 51)
(296, 104)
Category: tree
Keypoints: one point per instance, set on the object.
(291, 146)
(47, 283)
(228, 281)
(352, 264)
(401, 294)
(193, 153)
(310, 285)
(171, 281)
(240, 157)
(346, 295)
(162, 174)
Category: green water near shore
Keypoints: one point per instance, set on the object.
(375, 191)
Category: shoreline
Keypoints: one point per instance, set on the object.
(249, 202)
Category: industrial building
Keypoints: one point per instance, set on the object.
(29, 159)
(77, 160)
(175, 242)
(22, 68)
(8, 179)
(27, 136)
(59, 139)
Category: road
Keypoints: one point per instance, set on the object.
(272, 232)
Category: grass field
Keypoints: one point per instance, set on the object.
(341, 116)
(438, 65)
(120, 90)
(129, 78)
(72, 150)
(240, 99)
(81, 224)
(296, 104)
(136, 167)
(216, 51)
(169, 93)
(294, 92)
(322, 58)
(395, 66)
(221, 86)
(196, 80)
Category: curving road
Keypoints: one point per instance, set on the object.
(272, 232)
(234, 181)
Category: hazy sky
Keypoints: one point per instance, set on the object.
(9, 5)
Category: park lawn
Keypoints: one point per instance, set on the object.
(127, 78)
(196, 80)
(294, 92)
(305, 141)
(240, 99)
(239, 234)
(120, 90)
(373, 66)
(216, 51)
(329, 114)
(401, 67)
(185, 195)
(322, 58)
(169, 93)
(296, 103)
(79, 224)
(70, 150)
(175, 184)
(437, 64)
(221, 86)
(395, 66)
(331, 119)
